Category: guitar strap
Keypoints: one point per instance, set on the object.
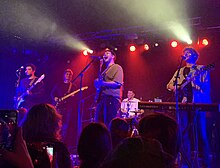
(70, 87)
(31, 82)
(105, 71)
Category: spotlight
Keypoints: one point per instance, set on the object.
(189, 41)
(132, 48)
(146, 47)
(174, 44)
(205, 42)
(156, 44)
(87, 52)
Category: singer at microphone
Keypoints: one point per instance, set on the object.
(183, 57)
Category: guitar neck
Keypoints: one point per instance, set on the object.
(206, 68)
(71, 94)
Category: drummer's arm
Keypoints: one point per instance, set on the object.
(123, 109)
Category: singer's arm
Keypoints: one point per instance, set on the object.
(111, 84)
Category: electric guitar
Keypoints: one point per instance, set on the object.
(185, 82)
(98, 89)
(68, 95)
(20, 99)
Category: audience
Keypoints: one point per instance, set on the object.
(41, 128)
(163, 128)
(94, 144)
(119, 129)
(138, 153)
(19, 158)
(156, 147)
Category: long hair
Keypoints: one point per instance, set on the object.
(94, 144)
(42, 122)
(163, 128)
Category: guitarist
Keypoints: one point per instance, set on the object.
(66, 106)
(109, 88)
(35, 95)
(196, 91)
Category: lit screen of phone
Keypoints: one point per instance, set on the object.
(50, 153)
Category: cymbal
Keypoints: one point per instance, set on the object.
(137, 111)
(131, 101)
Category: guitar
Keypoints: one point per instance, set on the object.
(68, 95)
(98, 89)
(20, 99)
(97, 82)
(182, 86)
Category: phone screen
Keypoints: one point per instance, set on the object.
(8, 127)
(50, 152)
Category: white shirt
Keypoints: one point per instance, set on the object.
(130, 106)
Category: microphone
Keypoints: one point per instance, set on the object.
(20, 69)
(183, 57)
(96, 57)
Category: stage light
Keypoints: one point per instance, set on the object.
(87, 52)
(205, 42)
(189, 41)
(146, 47)
(174, 44)
(156, 44)
(132, 48)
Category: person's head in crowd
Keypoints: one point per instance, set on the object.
(119, 129)
(94, 144)
(138, 153)
(163, 128)
(41, 121)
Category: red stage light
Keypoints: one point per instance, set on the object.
(174, 44)
(205, 42)
(132, 48)
(146, 47)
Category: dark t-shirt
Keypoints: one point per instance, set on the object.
(61, 89)
(36, 93)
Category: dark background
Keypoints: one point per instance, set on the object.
(147, 73)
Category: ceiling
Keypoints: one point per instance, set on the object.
(90, 19)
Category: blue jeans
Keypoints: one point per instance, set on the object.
(107, 109)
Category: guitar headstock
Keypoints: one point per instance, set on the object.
(40, 79)
(209, 67)
(84, 88)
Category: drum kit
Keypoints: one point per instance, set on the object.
(132, 116)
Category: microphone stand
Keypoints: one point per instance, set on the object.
(79, 118)
(17, 83)
(178, 114)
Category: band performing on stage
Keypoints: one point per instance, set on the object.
(185, 141)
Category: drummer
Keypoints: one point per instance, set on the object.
(129, 106)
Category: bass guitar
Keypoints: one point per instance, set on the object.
(20, 99)
(68, 95)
